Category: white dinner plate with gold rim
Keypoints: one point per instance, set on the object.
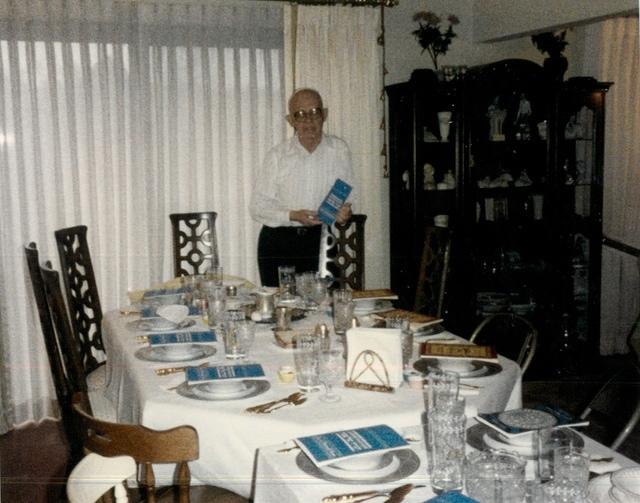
(254, 387)
(408, 463)
(387, 465)
(162, 354)
(480, 368)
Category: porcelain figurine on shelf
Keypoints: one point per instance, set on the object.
(444, 121)
(450, 180)
(429, 177)
(523, 180)
(496, 120)
(523, 118)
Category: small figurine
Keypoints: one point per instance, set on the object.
(523, 129)
(523, 180)
(496, 120)
(429, 173)
(444, 120)
(450, 180)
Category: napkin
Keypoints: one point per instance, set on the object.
(602, 467)
(175, 313)
(386, 344)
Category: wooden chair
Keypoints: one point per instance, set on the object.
(434, 270)
(195, 244)
(346, 258)
(82, 296)
(95, 475)
(616, 405)
(176, 446)
(512, 335)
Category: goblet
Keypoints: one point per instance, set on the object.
(331, 370)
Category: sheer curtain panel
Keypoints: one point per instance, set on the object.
(115, 114)
(335, 50)
(611, 54)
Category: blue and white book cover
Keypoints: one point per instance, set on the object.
(451, 497)
(159, 292)
(225, 373)
(558, 419)
(334, 200)
(328, 448)
(181, 338)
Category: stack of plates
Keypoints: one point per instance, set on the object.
(625, 485)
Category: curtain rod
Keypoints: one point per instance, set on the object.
(353, 3)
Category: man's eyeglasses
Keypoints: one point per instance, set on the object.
(311, 114)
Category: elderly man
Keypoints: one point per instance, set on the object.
(294, 179)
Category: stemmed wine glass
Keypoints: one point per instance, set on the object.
(331, 371)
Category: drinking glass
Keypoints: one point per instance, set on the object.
(232, 344)
(307, 361)
(215, 274)
(246, 333)
(402, 322)
(343, 308)
(216, 305)
(442, 385)
(287, 281)
(495, 477)
(304, 285)
(571, 464)
(445, 450)
(331, 372)
(319, 290)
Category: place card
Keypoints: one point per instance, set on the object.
(327, 448)
(218, 373)
(515, 422)
(180, 338)
(328, 210)
(461, 351)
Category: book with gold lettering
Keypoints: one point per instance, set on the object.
(376, 294)
(464, 351)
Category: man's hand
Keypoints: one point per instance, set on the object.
(344, 214)
(305, 217)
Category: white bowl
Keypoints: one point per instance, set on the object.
(455, 365)
(175, 313)
(365, 462)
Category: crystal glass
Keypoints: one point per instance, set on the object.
(307, 361)
(216, 305)
(287, 281)
(331, 372)
(441, 386)
(319, 290)
(445, 450)
(343, 308)
(402, 322)
(229, 328)
(571, 464)
(246, 334)
(304, 285)
(215, 274)
(495, 477)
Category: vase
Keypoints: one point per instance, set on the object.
(555, 68)
(444, 120)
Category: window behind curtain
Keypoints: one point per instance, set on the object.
(114, 115)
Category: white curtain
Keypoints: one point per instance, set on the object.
(611, 54)
(115, 114)
(335, 50)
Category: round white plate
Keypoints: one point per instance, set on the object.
(365, 303)
(158, 325)
(255, 387)
(627, 479)
(159, 354)
(344, 470)
(378, 305)
(407, 463)
(205, 390)
(598, 489)
(480, 368)
(462, 367)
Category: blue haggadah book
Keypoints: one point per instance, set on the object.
(327, 448)
(333, 201)
(181, 338)
(224, 372)
(164, 291)
(451, 497)
(563, 420)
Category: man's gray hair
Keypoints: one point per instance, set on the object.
(305, 90)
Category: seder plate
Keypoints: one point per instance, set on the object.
(405, 464)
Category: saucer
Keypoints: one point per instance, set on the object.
(160, 354)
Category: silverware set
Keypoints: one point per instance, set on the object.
(393, 496)
(296, 398)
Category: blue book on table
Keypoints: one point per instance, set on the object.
(181, 338)
(333, 201)
(451, 497)
(328, 448)
(158, 292)
(225, 372)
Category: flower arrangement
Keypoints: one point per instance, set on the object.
(551, 43)
(430, 35)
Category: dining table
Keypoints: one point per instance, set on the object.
(236, 446)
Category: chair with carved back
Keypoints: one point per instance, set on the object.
(345, 260)
(512, 335)
(195, 243)
(434, 270)
(82, 299)
(177, 446)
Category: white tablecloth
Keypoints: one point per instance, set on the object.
(278, 478)
(230, 437)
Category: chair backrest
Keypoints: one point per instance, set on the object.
(346, 258)
(95, 475)
(513, 336)
(195, 243)
(614, 410)
(176, 446)
(433, 273)
(51, 343)
(82, 293)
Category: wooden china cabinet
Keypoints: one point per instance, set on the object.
(515, 159)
